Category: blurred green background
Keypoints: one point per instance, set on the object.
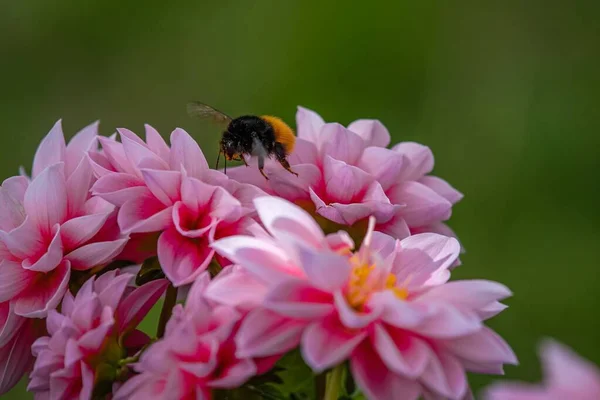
(506, 95)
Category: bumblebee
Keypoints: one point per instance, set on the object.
(250, 135)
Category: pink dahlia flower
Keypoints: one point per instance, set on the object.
(196, 355)
(349, 174)
(567, 376)
(173, 192)
(387, 308)
(92, 333)
(51, 225)
(17, 334)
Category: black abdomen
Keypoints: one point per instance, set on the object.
(241, 130)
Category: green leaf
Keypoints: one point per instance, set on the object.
(298, 381)
(150, 271)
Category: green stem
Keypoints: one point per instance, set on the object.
(334, 383)
(167, 308)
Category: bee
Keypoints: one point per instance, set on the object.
(261, 136)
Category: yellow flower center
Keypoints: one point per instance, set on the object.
(366, 279)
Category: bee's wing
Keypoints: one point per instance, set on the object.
(204, 111)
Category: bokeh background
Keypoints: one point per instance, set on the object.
(507, 95)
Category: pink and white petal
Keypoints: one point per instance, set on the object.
(126, 133)
(79, 145)
(340, 143)
(234, 375)
(50, 151)
(16, 359)
(340, 242)
(186, 152)
(423, 206)
(352, 319)
(11, 210)
(468, 295)
(189, 224)
(261, 257)
(183, 259)
(100, 164)
(372, 131)
(298, 299)
(419, 160)
(44, 294)
(567, 370)
(137, 151)
(144, 214)
(397, 312)
(400, 351)
(281, 216)
(156, 143)
(14, 279)
(136, 305)
(235, 287)
(111, 287)
(445, 376)
(87, 381)
(51, 258)
(344, 183)
(483, 346)
(196, 195)
(264, 333)
(164, 185)
(225, 207)
(447, 322)
(23, 241)
(442, 188)
(46, 198)
(384, 164)
(95, 254)
(327, 343)
(118, 188)
(396, 227)
(15, 187)
(115, 153)
(516, 391)
(295, 188)
(422, 256)
(79, 230)
(10, 323)
(78, 187)
(305, 152)
(325, 270)
(376, 381)
(309, 124)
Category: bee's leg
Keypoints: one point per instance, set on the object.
(218, 157)
(243, 159)
(281, 158)
(261, 166)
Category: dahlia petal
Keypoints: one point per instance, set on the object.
(299, 300)
(423, 257)
(115, 153)
(419, 160)
(111, 291)
(181, 215)
(351, 213)
(137, 304)
(94, 254)
(118, 187)
(423, 206)
(79, 230)
(352, 319)
(144, 214)
(340, 143)
(51, 258)
(281, 216)
(10, 323)
(445, 376)
(11, 211)
(327, 343)
(92, 340)
(344, 183)
(372, 131)
(305, 152)
(100, 164)
(164, 185)
(24, 240)
(309, 124)
(384, 164)
(467, 294)
(78, 187)
(87, 382)
(72, 353)
(15, 187)
(442, 188)
(376, 381)
(404, 354)
(15, 359)
(234, 375)
(45, 294)
(225, 207)
(50, 151)
(46, 198)
(126, 133)
(395, 311)
(156, 143)
(13, 279)
(79, 145)
(261, 257)
(136, 151)
(326, 271)
(564, 368)
(515, 391)
(183, 259)
(235, 287)
(264, 333)
(186, 152)
(446, 321)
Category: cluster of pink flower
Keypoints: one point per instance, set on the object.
(349, 263)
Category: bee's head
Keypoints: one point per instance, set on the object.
(229, 146)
